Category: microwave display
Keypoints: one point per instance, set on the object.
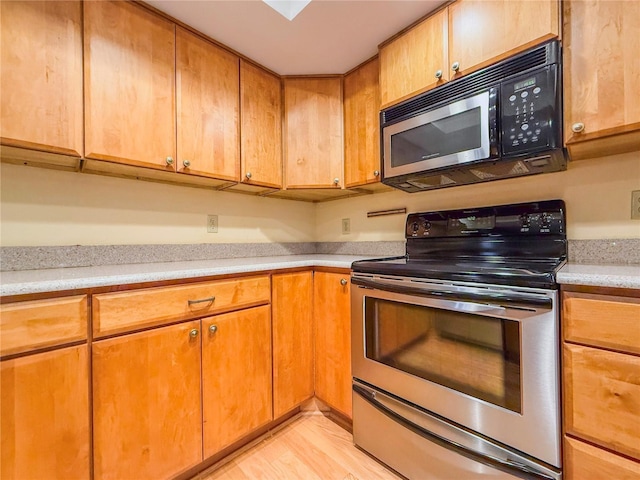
(530, 82)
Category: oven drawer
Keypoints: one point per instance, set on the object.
(419, 445)
(602, 397)
(602, 321)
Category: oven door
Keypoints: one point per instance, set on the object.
(447, 136)
(484, 357)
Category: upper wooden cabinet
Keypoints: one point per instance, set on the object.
(601, 77)
(207, 104)
(41, 81)
(129, 75)
(411, 62)
(464, 37)
(482, 32)
(313, 132)
(362, 126)
(261, 132)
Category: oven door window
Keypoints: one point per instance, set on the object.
(473, 354)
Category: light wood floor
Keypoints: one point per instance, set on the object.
(310, 447)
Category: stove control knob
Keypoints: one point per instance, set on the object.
(524, 220)
(426, 225)
(545, 220)
(415, 227)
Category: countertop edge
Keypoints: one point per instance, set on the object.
(69, 279)
(94, 279)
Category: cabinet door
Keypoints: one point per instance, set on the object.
(45, 415)
(602, 397)
(41, 81)
(602, 74)
(482, 32)
(207, 96)
(236, 376)
(313, 126)
(586, 462)
(292, 307)
(332, 318)
(146, 403)
(410, 63)
(362, 125)
(129, 85)
(261, 132)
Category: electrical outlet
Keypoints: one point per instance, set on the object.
(635, 205)
(212, 223)
(346, 226)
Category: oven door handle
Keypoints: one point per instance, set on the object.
(506, 465)
(511, 300)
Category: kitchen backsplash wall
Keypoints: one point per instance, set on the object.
(50, 208)
(42, 207)
(597, 193)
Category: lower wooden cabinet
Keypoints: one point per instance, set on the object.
(236, 376)
(332, 315)
(586, 462)
(147, 421)
(45, 415)
(292, 301)
(601, 384)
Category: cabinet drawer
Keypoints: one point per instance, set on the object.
(602, 397)
(122, 311)
(586, 462)
(602, 321)
(26, 326)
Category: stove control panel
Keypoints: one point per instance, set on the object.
(536, 218)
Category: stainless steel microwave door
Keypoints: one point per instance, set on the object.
(453, 134)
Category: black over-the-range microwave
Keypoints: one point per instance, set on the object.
(499, 122)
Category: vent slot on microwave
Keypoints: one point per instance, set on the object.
(544, 55)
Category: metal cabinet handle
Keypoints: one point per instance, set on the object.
(577, 127)
(439, 74)
(202, 300)
(194, 333)
(186, 163)
(455, 66)
(169, 160)
(213, 329)
(343, 282)
(336, 181)
(248, 175)
(376, 173)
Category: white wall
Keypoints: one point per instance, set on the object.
(597, 194)
(42, 207)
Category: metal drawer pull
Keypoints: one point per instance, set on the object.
(202, 300)
(193, 333)
(343, 282)
(213, 329)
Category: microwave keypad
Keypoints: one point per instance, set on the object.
(527, 110)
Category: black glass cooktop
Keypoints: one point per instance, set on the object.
(520, 245)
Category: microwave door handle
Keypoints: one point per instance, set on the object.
(516, 468)
(504, 300)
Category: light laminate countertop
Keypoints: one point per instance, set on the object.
(61, 279)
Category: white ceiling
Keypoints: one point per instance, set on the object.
(328, 36)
